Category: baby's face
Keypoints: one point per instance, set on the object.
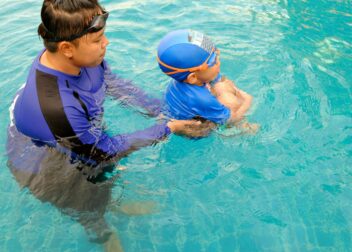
(210, 73)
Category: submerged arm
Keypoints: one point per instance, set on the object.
(129, 93)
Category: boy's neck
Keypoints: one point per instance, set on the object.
(194, 84)
(58, 62)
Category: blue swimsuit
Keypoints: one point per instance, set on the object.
(186, 101)
(66, 111)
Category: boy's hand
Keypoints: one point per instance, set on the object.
(191, 128)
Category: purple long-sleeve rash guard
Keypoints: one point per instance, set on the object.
(59, 109)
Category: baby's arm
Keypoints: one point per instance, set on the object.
(233, 98)
(238, 101)
(243, 108)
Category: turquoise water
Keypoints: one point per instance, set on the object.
(288, 188)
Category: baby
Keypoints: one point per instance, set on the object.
(197, 89)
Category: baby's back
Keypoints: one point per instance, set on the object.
(186, 101)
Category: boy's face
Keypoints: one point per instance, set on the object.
(205, 76)
(91, 49)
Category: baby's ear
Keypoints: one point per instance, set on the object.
(192, 78)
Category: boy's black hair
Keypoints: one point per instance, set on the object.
(64, 18)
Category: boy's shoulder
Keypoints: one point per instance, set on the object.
(191, 94)
(187, 89)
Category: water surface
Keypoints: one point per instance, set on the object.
(288, 188)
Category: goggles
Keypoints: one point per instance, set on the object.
(97, 23)
(209, 62)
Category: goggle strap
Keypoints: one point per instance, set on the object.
(182, 70)
(175, 72)
(166, 65)
(95, 21)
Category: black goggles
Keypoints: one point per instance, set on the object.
(95, 25)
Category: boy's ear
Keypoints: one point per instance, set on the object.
(192, 78)
(66, 48)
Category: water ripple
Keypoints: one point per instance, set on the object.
(285, 189)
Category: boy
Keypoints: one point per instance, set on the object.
(197, 89)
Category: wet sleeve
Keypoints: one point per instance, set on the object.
(208, 107)
(93, 142)
(129, 93)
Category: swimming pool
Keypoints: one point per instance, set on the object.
(288, 188)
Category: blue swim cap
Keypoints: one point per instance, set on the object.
(183, 49)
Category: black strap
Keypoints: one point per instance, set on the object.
(53, 111)
(76, 95)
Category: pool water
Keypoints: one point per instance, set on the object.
(287, 188)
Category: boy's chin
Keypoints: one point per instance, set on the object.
(96, 63)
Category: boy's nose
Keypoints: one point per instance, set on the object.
(106, 42)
